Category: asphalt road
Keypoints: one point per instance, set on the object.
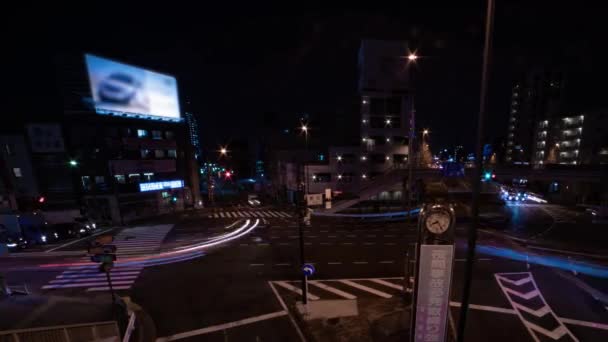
(226, 295)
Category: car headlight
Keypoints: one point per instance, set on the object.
(56, 235)
(94, 225)
(82, 230)
(43, 238)
(87, 226)
(11, 245)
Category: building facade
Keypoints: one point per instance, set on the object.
(536, 97)
(385, 108)
(193, 133)
(572, 139)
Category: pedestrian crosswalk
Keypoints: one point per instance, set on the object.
(250, 214)
(140, 240)
(345, 288)
(92, 279)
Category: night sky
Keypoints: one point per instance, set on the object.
(240, 70)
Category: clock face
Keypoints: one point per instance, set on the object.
(438, 222)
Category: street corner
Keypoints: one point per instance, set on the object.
(350, 309)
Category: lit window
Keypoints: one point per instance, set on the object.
(145, 153)
(142, 133)
(169, 135)
(120, 179)
(172, 153)
(159, 153)
(100, 179)
(17, 172)
(157, 135)
(387, 121)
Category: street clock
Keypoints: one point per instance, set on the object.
(438, 219)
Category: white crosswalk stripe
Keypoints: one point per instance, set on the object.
(91, 279)
(250, 214)
(330, 288)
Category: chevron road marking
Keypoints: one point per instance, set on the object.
(535, 330)
(295, 289)
(332, 290)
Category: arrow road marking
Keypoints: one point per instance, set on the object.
(534, 329)
(555, 334)
(516, 282)
(526, 296)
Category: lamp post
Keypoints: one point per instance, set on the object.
(302, 207)
(412, 57)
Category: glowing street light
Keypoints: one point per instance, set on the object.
(425, 131)
(73, 163)
(412, 57)
(223, 151)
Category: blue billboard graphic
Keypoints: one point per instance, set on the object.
(164, 185)
(121, 89)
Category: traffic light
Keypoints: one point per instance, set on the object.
(174, 199)
(487, 176)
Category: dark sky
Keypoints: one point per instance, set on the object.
(236, 66)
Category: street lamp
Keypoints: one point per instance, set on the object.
(223, 151)
(412, 57)
(425, 131)
(73, 162)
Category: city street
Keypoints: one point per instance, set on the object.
(251, 277)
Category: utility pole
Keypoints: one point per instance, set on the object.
(411, 154)
(472, 238)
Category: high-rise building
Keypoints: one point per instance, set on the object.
(572, 139)
(536, 97)
(385, 103)
(193, 133)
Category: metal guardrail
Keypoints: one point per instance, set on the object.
(98, 331)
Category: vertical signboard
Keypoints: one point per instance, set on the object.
(432, 304)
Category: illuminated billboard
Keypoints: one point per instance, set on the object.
(164, 185)
(125, 90)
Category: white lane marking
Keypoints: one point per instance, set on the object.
(308, 243)
(292, 236)
(359, 262)
(334, 263)
(90, 279)
(332, 290)
(224, 326)
(222, 214)
(324, 231)
(389, 244)
(370, 235)
(369, 243)
(555, 334)
(288, 215)
(241, 214)
(389, 235)
(92, 283)
(283, 264)
(387, 284)
(256, 265)
(264, 244)
(100, 275)
(107, 288)
(351, 236)
(346, 243)
(274, 237)
(284, 243)
(216, 215)
(313, 236)
(584, 323)
(73, 242)
(365, 288)
(387, 262)
(293, 321)
(331, 236)
(295, 289)
(514, 312)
